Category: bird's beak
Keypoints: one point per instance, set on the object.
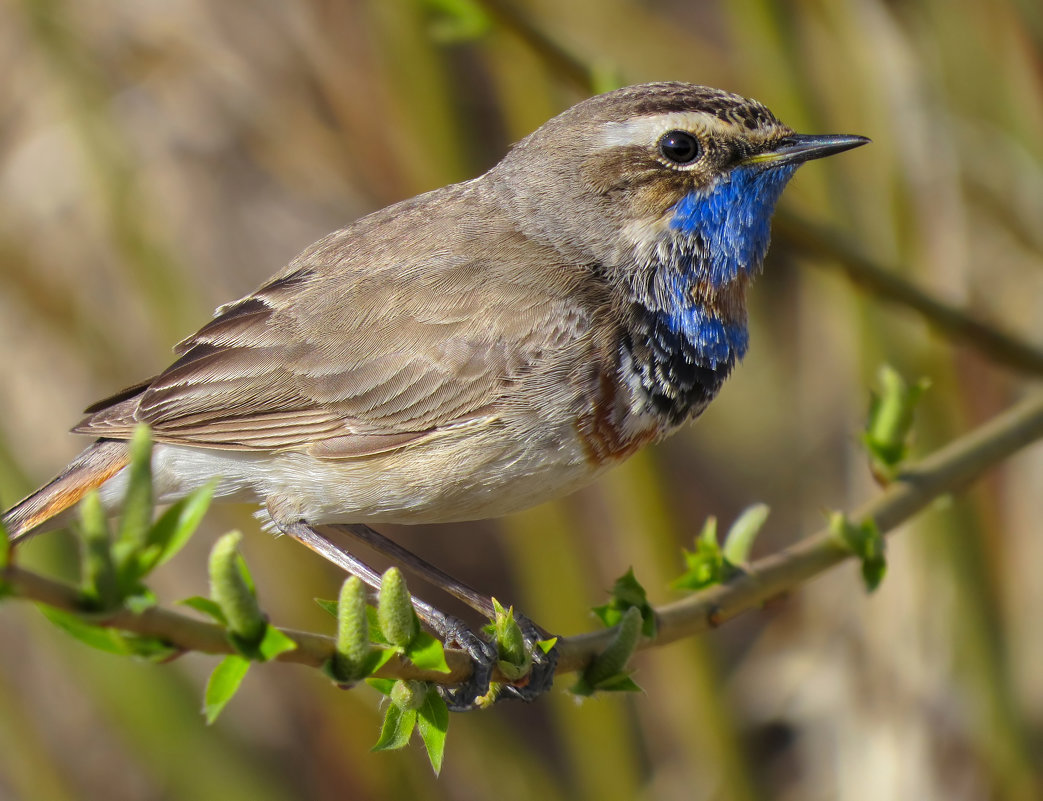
(798, 148)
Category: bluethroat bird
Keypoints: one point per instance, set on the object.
(477, 349)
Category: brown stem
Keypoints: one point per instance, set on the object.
(840, 251)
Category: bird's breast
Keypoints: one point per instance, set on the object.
(659, 376)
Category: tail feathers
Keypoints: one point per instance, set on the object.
(92, 468)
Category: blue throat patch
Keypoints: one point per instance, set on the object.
(733, 220)
(725, 233)
(683, 351)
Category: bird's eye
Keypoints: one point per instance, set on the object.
(680, 147)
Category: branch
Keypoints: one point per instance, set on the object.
(947, 470)
(559, 59)
(830, 244)
(884, 282)
(192, 634)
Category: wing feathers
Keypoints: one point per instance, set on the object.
(342, 356)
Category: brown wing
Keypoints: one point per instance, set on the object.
(353, 350)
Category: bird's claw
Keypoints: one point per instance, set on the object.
(466, 696)
(475, 693)
(479, 692)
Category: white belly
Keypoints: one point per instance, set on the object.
(464, 475)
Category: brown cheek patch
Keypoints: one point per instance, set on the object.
(655, 199)
(651, 187)
(618, 168)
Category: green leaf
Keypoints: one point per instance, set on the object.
(704, 566)
(709, 563)
(375, 634)
(99, 637)
(606, 670)
(426, 653)
(206, 606)
(455, 21)
(433, 724)
(152, 649)
(619, 683)
(510, 644)
(109, 640)
(738, 542)
(397, 729)
(377, 658)
(232, 589)
(175, 527)
(137, 502)
(873, 572)
(627, 592)
(139, 602)
(890, 421)
(329, 607)
(244, 573)
(99, 582)
(382, 685)
(866, 542)
(273, 643)
(223, 684)
(547, 645)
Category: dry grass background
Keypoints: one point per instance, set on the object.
(160, 158)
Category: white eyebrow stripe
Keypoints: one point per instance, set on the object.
(645, 131)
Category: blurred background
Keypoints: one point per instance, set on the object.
(160, 157)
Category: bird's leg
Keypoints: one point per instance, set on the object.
(541, 675)
(322, 545)
(452, 630)
(480, 603)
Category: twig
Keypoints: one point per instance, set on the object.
(945, 471)
(842, 251)
(829, 243)
(191, 634)
(560, 60)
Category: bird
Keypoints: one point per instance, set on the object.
(477, 349)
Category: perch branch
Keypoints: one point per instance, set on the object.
(947, 470)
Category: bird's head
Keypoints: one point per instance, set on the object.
(660, 170)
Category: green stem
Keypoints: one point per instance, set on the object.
(947, 470)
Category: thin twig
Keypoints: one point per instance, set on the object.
(947, 470)
(560, 60)
(844, 252)
(834, 246)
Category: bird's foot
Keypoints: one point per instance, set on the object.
(540, 677)
(470, 694)
(479, 691)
